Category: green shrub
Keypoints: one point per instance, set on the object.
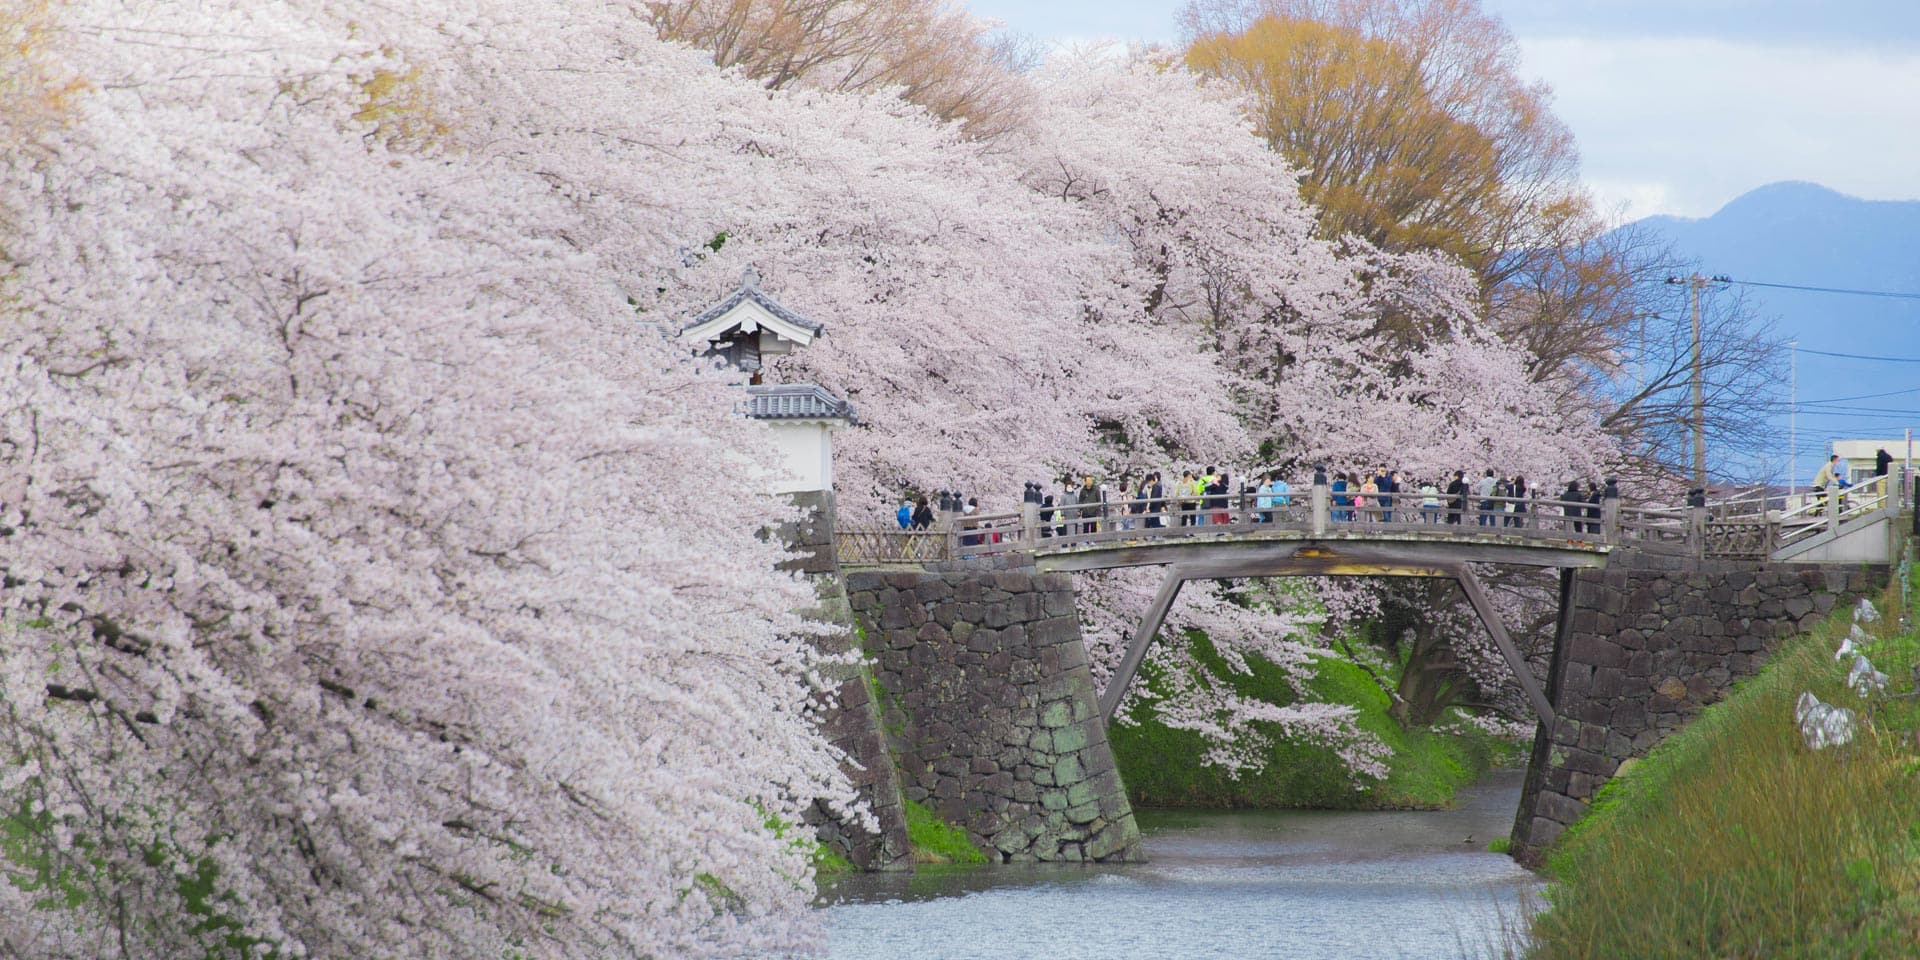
(936, 841)
(1162, 766)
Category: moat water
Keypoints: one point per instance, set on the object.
(1226, 884)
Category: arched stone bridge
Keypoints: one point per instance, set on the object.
(1661, 611)
(1316, 532)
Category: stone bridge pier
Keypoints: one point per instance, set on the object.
(989, 708)
(1643, 646)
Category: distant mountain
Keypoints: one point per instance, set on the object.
(1804, 234)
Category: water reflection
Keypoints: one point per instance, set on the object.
(1304, 884)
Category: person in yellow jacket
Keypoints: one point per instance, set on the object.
(1829, 473)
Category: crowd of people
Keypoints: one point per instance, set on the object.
(1206, 497)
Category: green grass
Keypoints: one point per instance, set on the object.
(1162, 768)
(936, 841)
(1732, 839)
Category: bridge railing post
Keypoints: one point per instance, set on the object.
(1610, 512)
(1833, 506)
(1322, 498)
(1697, 531)
(1030, 526)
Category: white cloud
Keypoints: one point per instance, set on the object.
(1681, 126)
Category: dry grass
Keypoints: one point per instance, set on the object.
(1734, 840)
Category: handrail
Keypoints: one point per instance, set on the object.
(1746, 526)
(1177, 516)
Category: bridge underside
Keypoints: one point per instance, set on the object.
(1287, 554)
(1319, 558)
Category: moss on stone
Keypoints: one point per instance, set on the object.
(937, 841)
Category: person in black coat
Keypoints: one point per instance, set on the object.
(1156, 493)
(1572, 495)
(1457, 497)
(1881, 462)
(1593, 512)
(922, 515)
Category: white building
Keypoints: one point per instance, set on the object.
(1859, 458)
(748, 326)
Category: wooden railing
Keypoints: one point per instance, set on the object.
(1747, 527)
(1317, 510)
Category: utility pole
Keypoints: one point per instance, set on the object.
(1793, 423)
(1695, 284)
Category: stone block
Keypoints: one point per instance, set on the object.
(1577, 676)
(1596, 651)
(1056, 714)
(1067, 770)
(1117, 839)
(1054, 631)
(1013, 582)
(1582, 786)
(1083, 813)
(1054, 800)
(1058, 602)
(1069, 739)
(1542, 832)
(1560, 809)
(1639, 664)
(1593, 737)
(1609, 682)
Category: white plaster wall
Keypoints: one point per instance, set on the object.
(806, 450)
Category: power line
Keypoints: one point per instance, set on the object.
(1857, 356)
(1841, 290)
(1864, 396)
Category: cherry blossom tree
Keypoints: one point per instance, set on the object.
(365, 595)
(1224, 249)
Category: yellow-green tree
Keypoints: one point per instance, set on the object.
(1408, 119)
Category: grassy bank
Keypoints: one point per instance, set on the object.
(1162, 768)
(1733, 839)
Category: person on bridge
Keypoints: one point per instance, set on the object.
(1046, 515)
(1517, 510)
(1090, 500)
(1183, 491)
(904, 516)
(923, 515)
(1484, 490)
(1457, 495)
(1572, 495)
(1829, 473)
(1882, 461)
(1340, 499)
(1593, 507)
(1430, 502)
(1366, 502)
(1156, 496)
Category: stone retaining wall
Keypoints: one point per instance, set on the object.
(991, 711)
(850, 718)
(1641, 651)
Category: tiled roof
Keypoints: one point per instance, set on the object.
(796, 401)
(750, 289)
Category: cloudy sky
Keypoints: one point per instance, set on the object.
(1679, 105)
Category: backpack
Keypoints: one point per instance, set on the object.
(904, 516)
